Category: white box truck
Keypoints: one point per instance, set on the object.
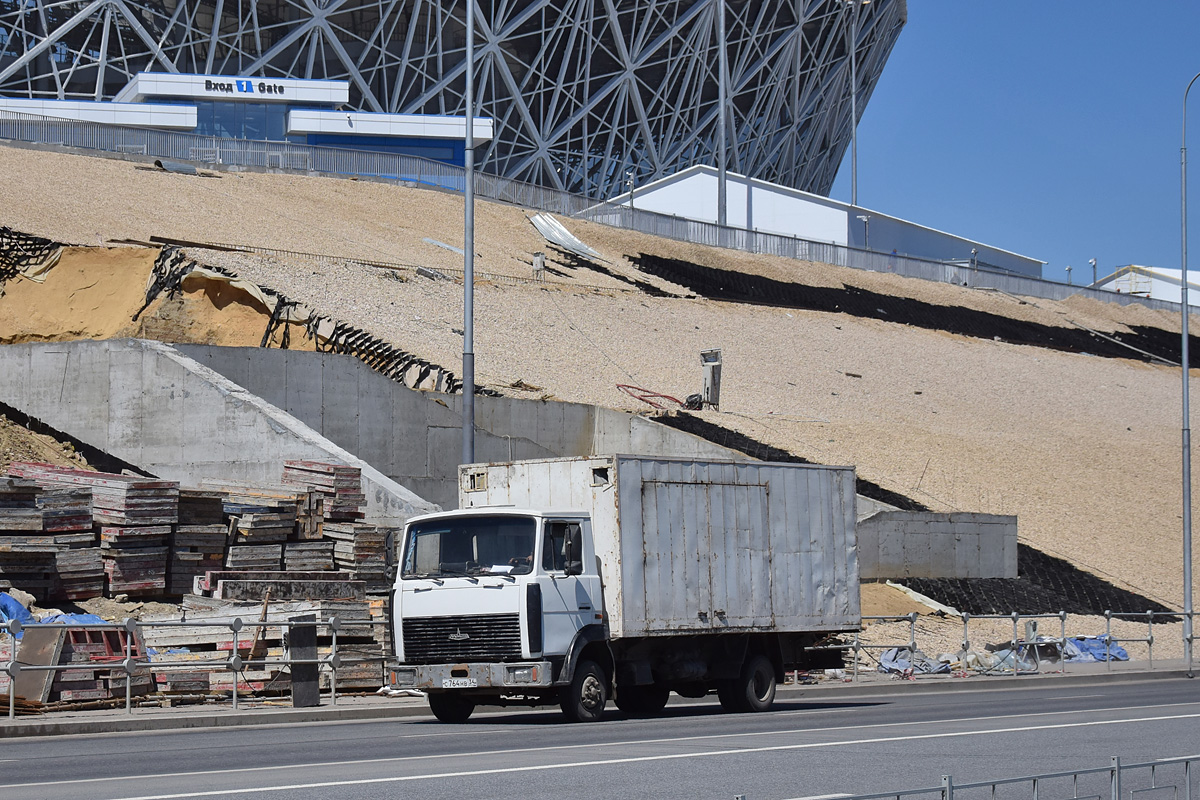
(576, 580)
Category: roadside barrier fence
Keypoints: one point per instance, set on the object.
(1162, 779)
(134, 661)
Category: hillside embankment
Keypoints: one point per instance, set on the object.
(1081, 443)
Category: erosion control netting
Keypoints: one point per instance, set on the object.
(19, 251)
(1044, 584)
(738, 287)
(756, 449)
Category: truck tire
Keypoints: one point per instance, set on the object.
(753, 690)
(583, 700)
(642, 701)
(451, 707)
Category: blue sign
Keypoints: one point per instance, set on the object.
(245, 86)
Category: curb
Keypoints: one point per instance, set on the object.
(142, 721)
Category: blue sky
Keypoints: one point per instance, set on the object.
(1048, 127)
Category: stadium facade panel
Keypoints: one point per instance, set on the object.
(586, 95)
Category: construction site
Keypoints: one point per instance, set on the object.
(227, 390)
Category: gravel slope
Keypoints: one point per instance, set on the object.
(1083, 449)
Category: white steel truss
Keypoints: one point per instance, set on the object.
(586, 94)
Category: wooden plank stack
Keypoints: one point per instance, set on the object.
(135, 515)
(361, 550)
(305, 506)
(254, 556)
(198, 542)
(308, 556)
(355, 641)
(47, 546)
(341, 486)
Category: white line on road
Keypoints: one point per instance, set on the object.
(822, 796)
(594, 745)
(645, 759)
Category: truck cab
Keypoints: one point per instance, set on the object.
(502, 606)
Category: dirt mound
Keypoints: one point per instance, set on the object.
(18, 443)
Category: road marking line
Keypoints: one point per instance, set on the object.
(823, 796)
(647, 759)
(594, 745)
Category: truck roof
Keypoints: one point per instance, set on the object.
(514, 511)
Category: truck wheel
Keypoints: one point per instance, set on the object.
(642, 701)
(584, 699)
(451, 707)
(752, 690)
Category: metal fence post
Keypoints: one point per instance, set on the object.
(1108, 640)
(1150, 636)
(130, 627)
(1062, 641)
(1016, 619)
(966, 640)
(13, 628)
(334, 624)
(235, 660)
(947, 787)
(856, 648)
(912, 632)
(1114, 778)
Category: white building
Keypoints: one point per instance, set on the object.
(770, 208)
(1153, 282)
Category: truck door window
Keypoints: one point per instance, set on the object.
(554, 547)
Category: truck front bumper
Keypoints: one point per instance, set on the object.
(516, 676)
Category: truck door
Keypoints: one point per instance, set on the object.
(567, 603)
(740, 567)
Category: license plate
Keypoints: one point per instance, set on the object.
(459, 683)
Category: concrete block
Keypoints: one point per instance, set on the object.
(164, 404)
(14, 360)
(204, 433)
(409, 438)
(868, 551)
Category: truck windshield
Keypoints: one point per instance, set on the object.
(483, 545)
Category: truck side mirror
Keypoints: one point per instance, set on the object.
(574, 548)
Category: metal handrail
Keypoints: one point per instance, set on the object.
(234, 662)
(1116, 772)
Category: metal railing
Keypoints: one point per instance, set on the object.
(217, 151)
(133, 664)
(1018, 644)
(1163, 779)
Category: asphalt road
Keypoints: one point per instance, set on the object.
(804, 749)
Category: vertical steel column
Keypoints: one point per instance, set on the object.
(1114, 778)
(468, 390)
(854, 4)
(130, 627)
(1184, 370)
(947, 787)
(722, 114)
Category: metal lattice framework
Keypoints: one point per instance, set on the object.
(582, 91)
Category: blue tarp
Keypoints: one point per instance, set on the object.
(68, 619)
(1092, 648)
(11, 608)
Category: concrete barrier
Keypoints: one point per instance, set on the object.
(150, 405)
(906, 544)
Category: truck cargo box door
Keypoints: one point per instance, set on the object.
(740, 567)
(707, 559)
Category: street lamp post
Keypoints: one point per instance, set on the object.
(1184, 364)
(1092, 261)
(854, 5)
(468, 388)
(866, 221)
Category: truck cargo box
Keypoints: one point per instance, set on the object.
(699, 546)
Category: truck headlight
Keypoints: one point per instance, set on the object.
(527, 674)
(404, 677)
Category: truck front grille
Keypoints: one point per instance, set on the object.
(446, 640)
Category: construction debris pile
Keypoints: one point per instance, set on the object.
(266, 555)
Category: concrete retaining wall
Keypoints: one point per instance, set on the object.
(148, 404)
(416, 437)
(905, 544)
